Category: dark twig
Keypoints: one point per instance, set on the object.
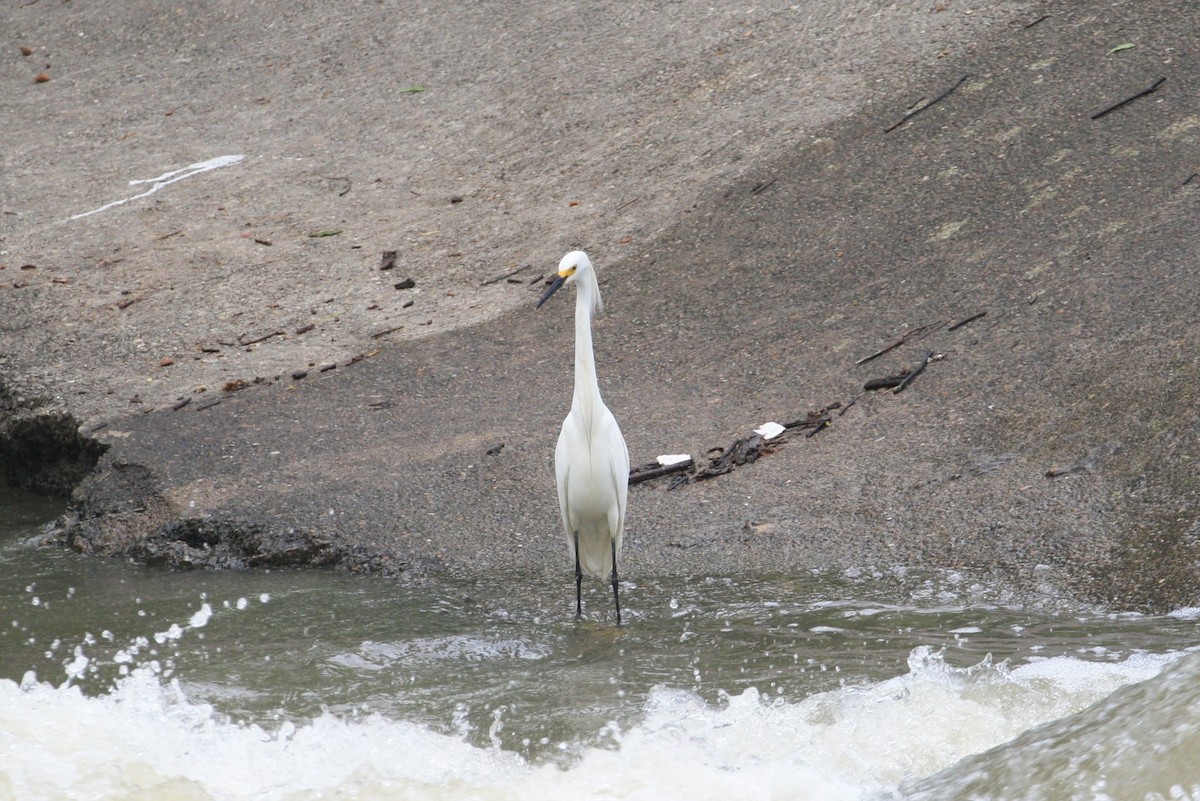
(913, 373)
(627, 204)
(1153, 88)
(919, 109)
(853, 401)
(824, 422)
(890, 382)
(497, 279)
(1191, 178)
(970, 319)
(762, 186)
(1042, 18)
(386, 331)
(256, 340)
(918, 330)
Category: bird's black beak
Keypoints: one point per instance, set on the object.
(558, 281)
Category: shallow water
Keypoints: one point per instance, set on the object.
(119, 681)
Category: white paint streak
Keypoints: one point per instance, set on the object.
(166, 179)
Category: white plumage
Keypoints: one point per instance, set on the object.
(591, 461)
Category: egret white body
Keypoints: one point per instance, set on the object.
(591, 461)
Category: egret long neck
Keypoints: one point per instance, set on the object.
(587, 388)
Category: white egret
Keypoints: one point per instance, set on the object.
(591, 462)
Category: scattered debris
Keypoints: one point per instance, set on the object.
(495, 449)
(388, 260)
(41, 77)
(179, 404)
(26, 50)
(407, 283)
(319, 234)
(304, 329)
(722, 460)
(456, 199)
(1122, 48)
(298, 374)
(235, 384)
(166, 361)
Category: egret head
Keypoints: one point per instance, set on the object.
(575, 268)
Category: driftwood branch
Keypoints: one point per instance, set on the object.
(654, 470)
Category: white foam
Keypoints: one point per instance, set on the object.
(147, 739)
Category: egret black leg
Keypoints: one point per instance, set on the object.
(578, 580)
(616, 597)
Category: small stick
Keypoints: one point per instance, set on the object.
(761, 186)
(970, 319)
(919, 109)
(898, 342)
(914, 373)
(1191, 178)
(1042, 18)
(628, 203)
(500, 278)
(821, 425)
(259, 339)
(1153, 88)
(386, 331)
(853, 401)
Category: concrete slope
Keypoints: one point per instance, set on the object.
(1052, 441)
